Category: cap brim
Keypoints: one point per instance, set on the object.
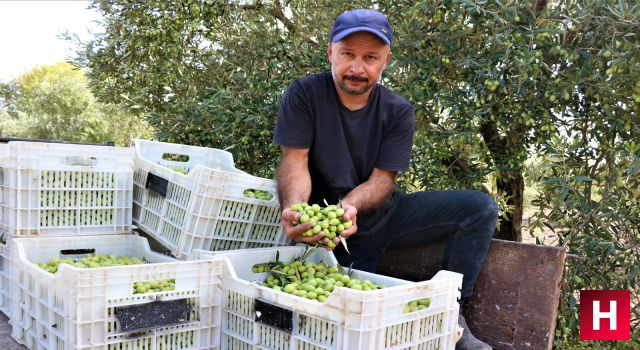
(345, 33)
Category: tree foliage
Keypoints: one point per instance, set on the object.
(209, 73)
(596, 217)
(492, 82)
(509, 75)
(54, 102)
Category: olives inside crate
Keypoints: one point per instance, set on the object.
(89, 307)
(347, 319)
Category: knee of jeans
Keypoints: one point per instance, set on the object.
(491, 206)
(485, 204)
(486, 208)
(491, 214)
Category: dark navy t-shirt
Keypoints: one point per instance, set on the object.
(344, 146)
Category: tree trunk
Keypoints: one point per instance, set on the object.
(510, 183)
(512, 188)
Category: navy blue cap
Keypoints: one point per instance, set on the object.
(362, 21)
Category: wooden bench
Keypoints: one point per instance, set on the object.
(515, 300)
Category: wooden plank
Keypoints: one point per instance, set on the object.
(515, 301)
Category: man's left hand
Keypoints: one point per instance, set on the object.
(350, 213)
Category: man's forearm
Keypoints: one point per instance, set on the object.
(294, 181)
(372, 192)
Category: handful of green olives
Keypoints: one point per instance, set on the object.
(328, 219)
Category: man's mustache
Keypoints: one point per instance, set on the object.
(354, 78)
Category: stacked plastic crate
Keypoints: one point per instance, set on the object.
(74, 203)
(255, 316)
(189, 198)
(56, 189)
(197, 204)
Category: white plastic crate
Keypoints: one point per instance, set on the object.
(5, 279)
(205, 208)
(348, 319)
(62, 189)
(78, 308)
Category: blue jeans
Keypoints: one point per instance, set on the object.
(467, 218)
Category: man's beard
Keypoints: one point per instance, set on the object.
(356, 91)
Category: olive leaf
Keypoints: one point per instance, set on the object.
(298, 277)
(281, 276)
(350, 269)
(344, 242)
(266, 265)
(307, 253)
(341, 269)
(276, 270)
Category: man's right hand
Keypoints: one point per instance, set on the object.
(294, 232)
(350, 213)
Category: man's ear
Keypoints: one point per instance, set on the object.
(329, 50)
(389, 54)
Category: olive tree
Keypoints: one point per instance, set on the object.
(54, 102)
(493, 83)
(490, 81)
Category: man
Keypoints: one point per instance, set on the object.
(345, 137)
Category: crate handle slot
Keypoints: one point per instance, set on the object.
(155, 314)
(157, 185)
(416, 305)
(274, 316)
(153, 286)
(257, 194)
(81, 161)
(76, 254)
(77, 251)
(175, 157)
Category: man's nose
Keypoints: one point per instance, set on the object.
(357, 66)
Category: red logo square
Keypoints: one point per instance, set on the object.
(605, 315)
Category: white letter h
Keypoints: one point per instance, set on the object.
(597, 315)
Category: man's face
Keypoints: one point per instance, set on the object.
(357, 62)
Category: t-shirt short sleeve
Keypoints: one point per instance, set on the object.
(294, 127)
(397, 141)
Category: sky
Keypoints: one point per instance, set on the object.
(29, 33)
